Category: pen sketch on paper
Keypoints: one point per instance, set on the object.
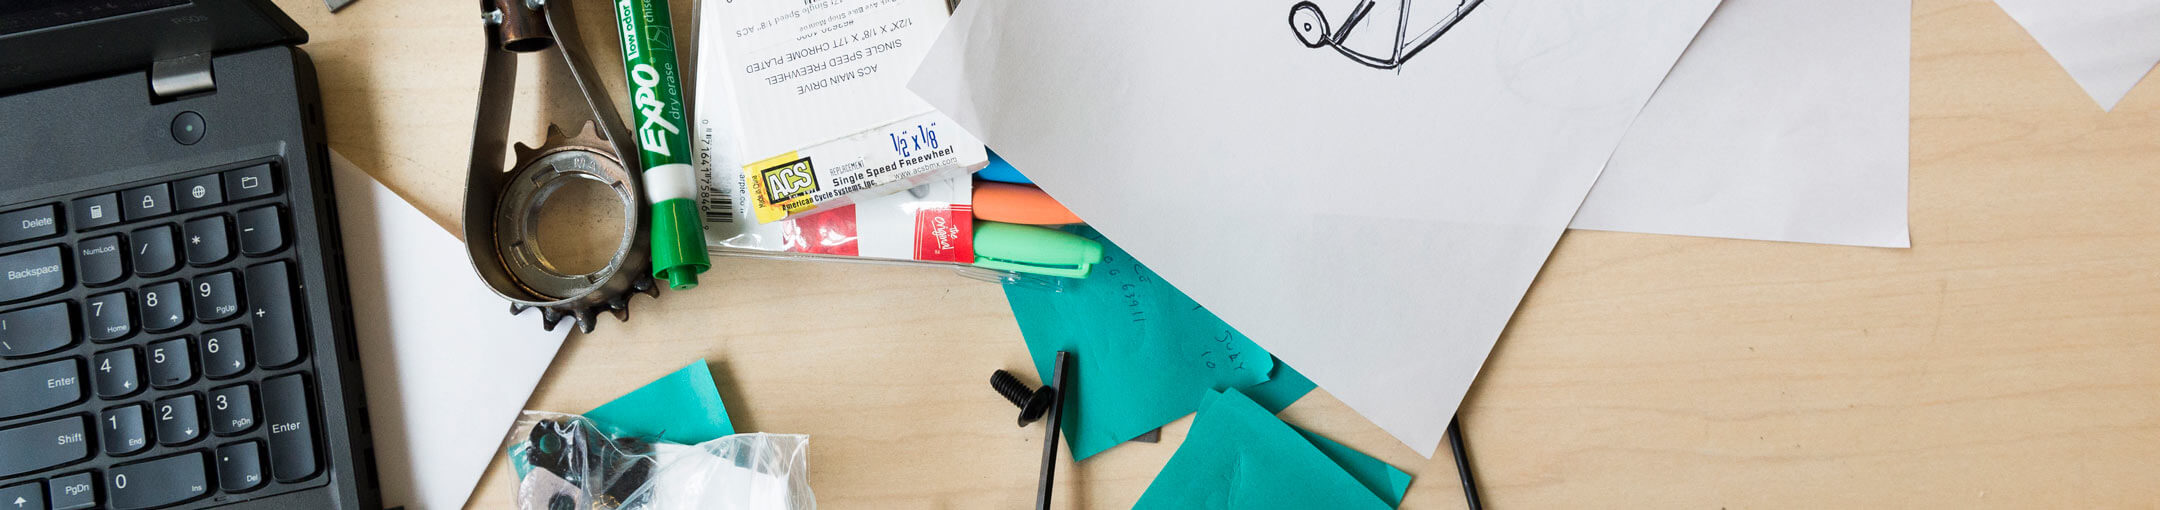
(1415, 29)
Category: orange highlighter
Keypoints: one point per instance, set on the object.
(1021, 204)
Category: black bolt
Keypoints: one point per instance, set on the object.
(1033, 402)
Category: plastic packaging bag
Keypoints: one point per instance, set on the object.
(564, 462)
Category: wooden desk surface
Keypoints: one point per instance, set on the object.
(2007, 360)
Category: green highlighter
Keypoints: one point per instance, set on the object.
(1030, 249)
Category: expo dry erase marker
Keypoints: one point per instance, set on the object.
(678, 230)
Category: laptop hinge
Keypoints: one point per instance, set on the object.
(182, 75)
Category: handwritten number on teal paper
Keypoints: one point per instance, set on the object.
(1144, 351)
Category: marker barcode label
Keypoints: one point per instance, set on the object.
(717, 204)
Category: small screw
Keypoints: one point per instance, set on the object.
(1033, 402)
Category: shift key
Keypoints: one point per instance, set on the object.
(42, 445)
(277, 326)
(32, 273)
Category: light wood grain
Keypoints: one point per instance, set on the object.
(2006, 361)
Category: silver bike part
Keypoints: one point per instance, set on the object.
(502, 207)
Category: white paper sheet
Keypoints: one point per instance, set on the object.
(2106, 45)
(447, 367)
(1784, 121)
(1369, 212)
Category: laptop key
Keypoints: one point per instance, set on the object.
(32, 273)
(108, 316)
(198, 192)
(146, 201)
(71, 492)
(124, 429)
(29, 223)
(179, 419)
(36, 330)
(262, 231)
(164, 307)
(159, 482)
(232, 409)
(40, 387)
(101, 260)
(292, 435)
(217, 297)
(207, 241)
(239, 466)
(225, 352)
(43, 445)
(97, 211)
(26, 496)
(115, 373)
(277, 330)
(250, 182)
(153, 252)
(172, 363)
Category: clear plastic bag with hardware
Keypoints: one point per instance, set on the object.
(565, 462)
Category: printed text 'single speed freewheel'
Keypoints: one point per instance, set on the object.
(502, 207)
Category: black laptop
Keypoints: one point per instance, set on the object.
(174, 329)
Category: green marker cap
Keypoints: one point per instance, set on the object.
(675, 227)
(1029, 249)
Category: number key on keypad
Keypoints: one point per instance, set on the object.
(179, 419)
(232, 409)
(115, 373)
(172, 363)
(159, 482)
(124, 429)
(108, 316)
(225, 352)
(164, 307)
(217, 297)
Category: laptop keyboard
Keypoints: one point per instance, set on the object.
(152, 349)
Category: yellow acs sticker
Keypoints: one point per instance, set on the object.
(782, 185)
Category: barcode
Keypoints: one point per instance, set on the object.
(718, 205)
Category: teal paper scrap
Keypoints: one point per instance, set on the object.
(1384, 480)
(1284, 387)
(1143, 352)
(1239, 456)
(682, 407)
